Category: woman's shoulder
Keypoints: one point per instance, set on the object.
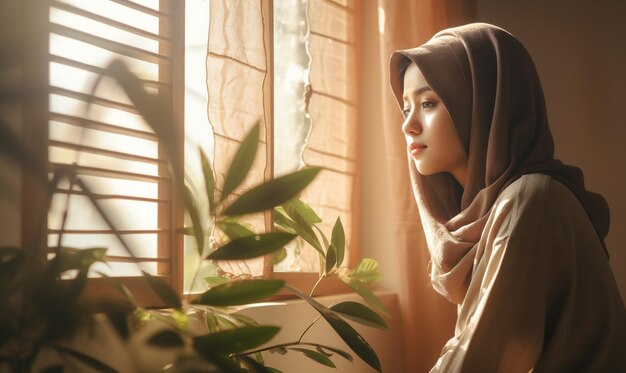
(539, 200)
(537, 189)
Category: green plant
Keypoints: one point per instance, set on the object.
(40, 286)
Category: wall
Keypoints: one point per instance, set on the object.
(10, 184)
(299, 315)
(579, 48)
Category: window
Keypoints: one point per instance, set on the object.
(308, 109)
(105, 139)
(308, 112)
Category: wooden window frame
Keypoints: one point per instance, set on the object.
(35, 117)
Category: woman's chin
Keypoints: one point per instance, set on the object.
(424, 171)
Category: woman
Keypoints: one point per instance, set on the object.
(515, 239)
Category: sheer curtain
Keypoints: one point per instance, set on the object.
(240, 83)
(427, 318)
(238, 86)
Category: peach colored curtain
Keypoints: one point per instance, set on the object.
(239, 83)
(428, 319)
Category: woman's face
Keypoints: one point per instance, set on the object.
(431, 137)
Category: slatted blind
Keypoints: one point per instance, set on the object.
(110, 145)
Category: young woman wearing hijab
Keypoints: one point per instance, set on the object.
(515, 238)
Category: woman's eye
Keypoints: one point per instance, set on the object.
(428, 105)
(406, 112)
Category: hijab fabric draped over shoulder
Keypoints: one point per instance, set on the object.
(490, 86)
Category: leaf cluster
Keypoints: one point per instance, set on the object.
(41, 286)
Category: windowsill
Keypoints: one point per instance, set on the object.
(98, 288)
(293, 316)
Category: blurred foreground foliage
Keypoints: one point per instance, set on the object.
(41, 286)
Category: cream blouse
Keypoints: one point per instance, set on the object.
(542, 296)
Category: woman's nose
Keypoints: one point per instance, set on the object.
(412, 125)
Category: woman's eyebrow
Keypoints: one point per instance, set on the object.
(416, 91)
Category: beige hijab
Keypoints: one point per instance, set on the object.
(489, 84)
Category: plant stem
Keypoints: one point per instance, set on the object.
(64, 219)
(308, 327)
(195, 275)
(315, 286)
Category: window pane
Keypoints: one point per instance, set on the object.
(292, 123)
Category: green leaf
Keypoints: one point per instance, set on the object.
(187, 231)
(273, 370)
(211, 322)
(86, 359)
(209, 180)
(225, 323)
(215, 280)
(243, 319)
(242, 161)
(361, 314)
(190, 205)
(234, 229)
(331, 258)
(278, 350)
(366, 271)
(338, 240)
(252, 246)
(239, 292)
(324, 238)
(272, 193)
(315, 356)
(117, 284)
(306, 211)
(342, 353)
(282, 220)
(259, 358)
(234, 340)
(346, 332)
(163, 290)
(303, 228)
(224, 363)
(253, 365)
(72, 258)
(278, 256)
(76, 285)
(166, 339)
(322, 351)
(153, 108)
(367, 295)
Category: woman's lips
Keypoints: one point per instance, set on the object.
(416, 148)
